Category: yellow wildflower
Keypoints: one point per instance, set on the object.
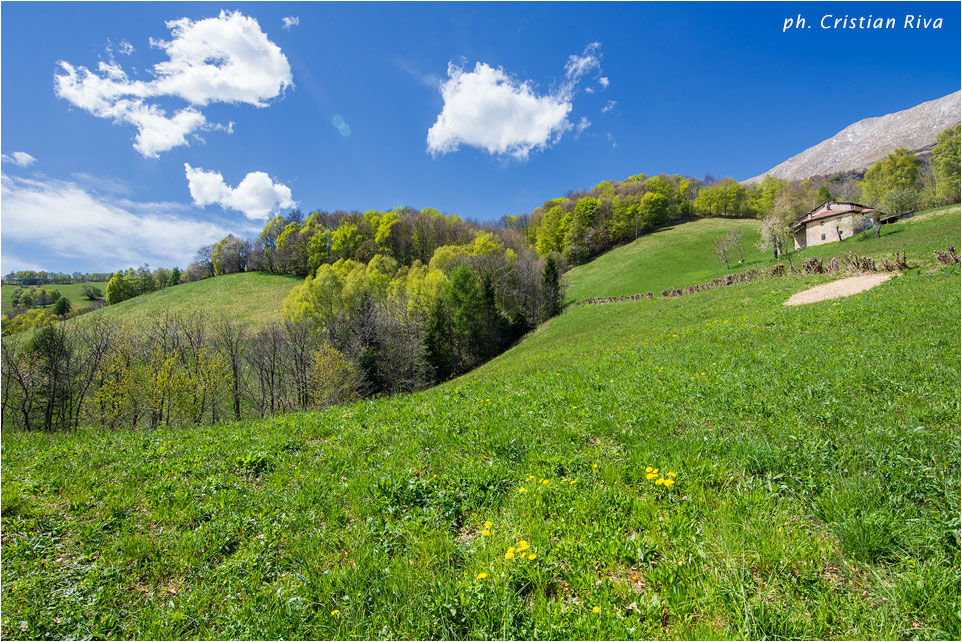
(668, 483)
(485, 532)
(481, 576)
(649, 469)
(489, 524)
(596, 609)
(523, 546)
(335, 612)
(659, 481)
(531, 557)
(522, 490)
(594, 465)
(671, 475)
(650, 476)
(510, 554)
(544, 481)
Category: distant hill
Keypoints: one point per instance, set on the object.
(859, 145)
(253, 299)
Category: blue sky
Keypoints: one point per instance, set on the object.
(135, 132)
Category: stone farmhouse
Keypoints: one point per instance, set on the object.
(833, 221)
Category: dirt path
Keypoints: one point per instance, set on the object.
(838, 289)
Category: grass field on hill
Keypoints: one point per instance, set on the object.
(681, 254)
(73, 291)
(253, 298)
(816, 461)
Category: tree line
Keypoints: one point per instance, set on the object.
(348, 333)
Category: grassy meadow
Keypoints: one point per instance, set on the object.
(251, 298)
(681, 254)
(813, 454)
(73, 291)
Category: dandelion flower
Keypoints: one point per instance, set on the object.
(489, 524)
(596, 609)
(531, 557)
(650, 476)
(659, 481)
(485, 532)
(544, 481)
(649, 469)
(522, 490)
(655, 471)
(671, 475)
(668, 483)
(509, 555)
(594, 465)
(523, 546)
(481, 576)
(335, 612)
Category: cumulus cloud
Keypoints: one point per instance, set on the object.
(23, 159)
(66, 220)
(489, 109)
(603, 81)
(226, 59)
(256, 196)
(290, 21)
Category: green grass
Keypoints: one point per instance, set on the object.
(251, 298)
(73, 291)
(818, 459)
(681, 254)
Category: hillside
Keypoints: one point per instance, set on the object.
(813, 453)
(862, 143)
(682, 254)
(73, 291)
(253, 298)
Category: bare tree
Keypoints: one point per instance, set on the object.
(722, 247)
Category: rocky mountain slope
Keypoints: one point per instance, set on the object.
(859, 145)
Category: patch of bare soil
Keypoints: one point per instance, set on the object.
(838, 289)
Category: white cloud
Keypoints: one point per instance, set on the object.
(23, 159)
(125, 48)
(608, 107)
(290, 21)
(489, 109)
(225, 59)
(256, 196)
(63, 219)
(583, 124)
(603, 81)
(578, 66)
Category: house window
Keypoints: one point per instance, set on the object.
(822, 223)
(823, 237)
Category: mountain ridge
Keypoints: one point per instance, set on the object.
(862, 143)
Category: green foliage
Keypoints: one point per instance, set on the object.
(553, 230)
(93, 293)
(62, 307)
(29, 320)
(893, 182)
(945, 165)
(119, 289)
(174, 277)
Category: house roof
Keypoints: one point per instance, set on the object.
(846, 208)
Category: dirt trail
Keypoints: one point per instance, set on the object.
(838, 289)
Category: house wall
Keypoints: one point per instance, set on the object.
(826, 226)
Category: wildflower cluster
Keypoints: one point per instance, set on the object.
(519, 552)
(652, 474)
